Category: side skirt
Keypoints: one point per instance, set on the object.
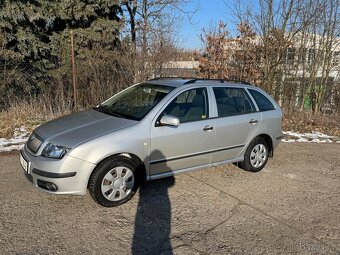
(192, 169)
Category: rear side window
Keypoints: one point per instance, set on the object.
(232, 101)
(262, 102)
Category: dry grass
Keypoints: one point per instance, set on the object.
(28, 114)
(308, 122)
(36, 111)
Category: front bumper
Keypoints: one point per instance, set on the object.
(69, 175)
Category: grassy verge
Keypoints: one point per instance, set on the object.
(28, 114)
(306, 122)
(37, 111)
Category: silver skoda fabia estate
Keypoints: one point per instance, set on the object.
(153, 130)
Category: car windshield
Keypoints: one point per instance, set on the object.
(135, 102)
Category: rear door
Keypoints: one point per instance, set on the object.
(271, 115)
(189, 144)
(236, 123)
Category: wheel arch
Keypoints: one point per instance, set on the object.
(269, 141)
(141, 167)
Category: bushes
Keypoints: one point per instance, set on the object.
(308, 122)
(29, 113)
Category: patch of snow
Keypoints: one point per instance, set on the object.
(302, 140)
(17, 142)
(21, 135)
(288, 140)
(11, 148)
(321, 141)
(314, 137)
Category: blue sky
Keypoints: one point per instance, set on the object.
(209, 13)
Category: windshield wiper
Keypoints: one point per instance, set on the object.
(108, 110)
(102, 108)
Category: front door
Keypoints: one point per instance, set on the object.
(187, 145)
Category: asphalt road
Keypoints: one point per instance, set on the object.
(290, 207)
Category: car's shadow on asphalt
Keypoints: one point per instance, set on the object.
(153, 219)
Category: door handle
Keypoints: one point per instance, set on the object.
(252, 121)
(208, 128)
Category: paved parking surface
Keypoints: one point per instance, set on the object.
(290, 207)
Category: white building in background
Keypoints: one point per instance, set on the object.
(313, 48)
(180, 68)
(317, 57)
(182, 64)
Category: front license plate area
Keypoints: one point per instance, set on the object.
(24, 163)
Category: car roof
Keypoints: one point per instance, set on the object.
(177, 82)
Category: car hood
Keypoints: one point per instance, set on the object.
(77, 128)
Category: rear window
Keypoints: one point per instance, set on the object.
(262, 102)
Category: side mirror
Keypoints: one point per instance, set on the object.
(169, 120)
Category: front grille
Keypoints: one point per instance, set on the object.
(34, 142)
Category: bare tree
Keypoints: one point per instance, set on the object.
(246, 56)
(214, 59)
(151, 22)
(298, 40)
(230, 58)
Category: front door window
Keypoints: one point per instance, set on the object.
(191, 105)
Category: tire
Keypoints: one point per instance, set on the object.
(114, 181)
(256, 155)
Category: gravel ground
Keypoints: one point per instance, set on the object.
(291, 207)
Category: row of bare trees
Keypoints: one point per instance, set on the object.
(290, 48)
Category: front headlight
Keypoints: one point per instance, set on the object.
(54, 151)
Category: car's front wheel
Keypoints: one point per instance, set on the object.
(114, 181)
(256, 155)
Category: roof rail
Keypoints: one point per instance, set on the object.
(193, 80)
(220, 80)
(165, 78)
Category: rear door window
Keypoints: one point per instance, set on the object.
(262, 101)
(232, 101)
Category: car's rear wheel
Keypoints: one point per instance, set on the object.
(114, 181)
(256, 155)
